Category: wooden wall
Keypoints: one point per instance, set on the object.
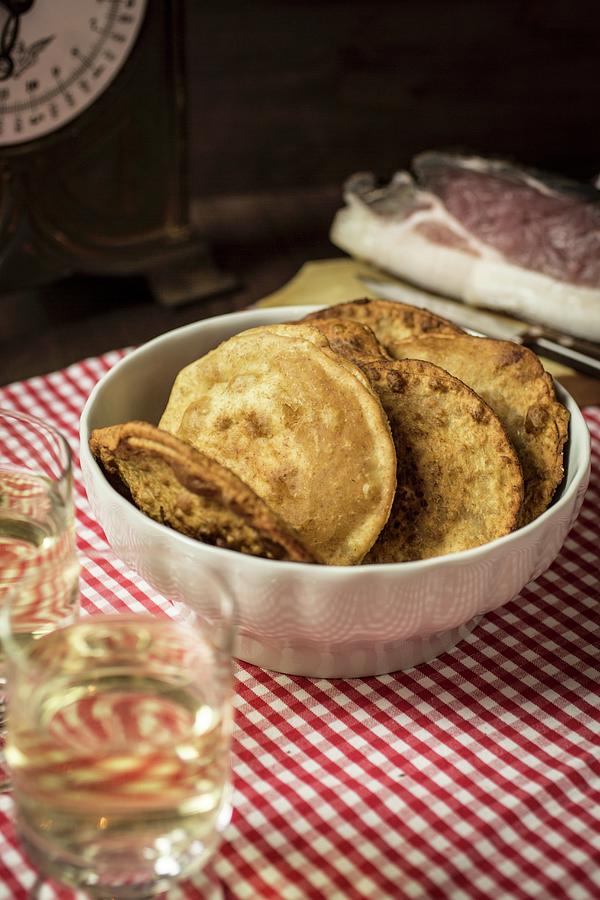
(286, 93)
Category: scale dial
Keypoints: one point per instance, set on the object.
(57, 57)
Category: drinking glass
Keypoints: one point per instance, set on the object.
(118, 738)
(37, 530)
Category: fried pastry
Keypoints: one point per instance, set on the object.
(301, 425)
(389, 320)
(512, 380)
(350, 338)
(459, 481)
(180, 487)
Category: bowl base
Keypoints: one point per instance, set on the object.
(358, 660)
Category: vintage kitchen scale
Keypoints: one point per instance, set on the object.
(93, 141)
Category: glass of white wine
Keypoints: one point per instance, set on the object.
(118, 741)
(37, 522)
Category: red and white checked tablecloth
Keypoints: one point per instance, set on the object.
(474, 776)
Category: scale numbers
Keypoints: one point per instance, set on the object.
(57, 58)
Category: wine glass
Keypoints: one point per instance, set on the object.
(118, 738)
(37, 523)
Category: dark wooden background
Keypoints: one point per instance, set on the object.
(289, 97)
(297, 92)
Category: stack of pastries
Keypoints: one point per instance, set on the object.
(368, 432)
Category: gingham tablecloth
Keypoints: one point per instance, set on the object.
(473, 776)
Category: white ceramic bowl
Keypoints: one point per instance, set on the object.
(305, 619)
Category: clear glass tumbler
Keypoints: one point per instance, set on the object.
(37, 523)
(118, 742)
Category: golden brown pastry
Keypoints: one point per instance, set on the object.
(301, 425)
(389, 320)
(512, 380)
(178, 486)
(459, 480)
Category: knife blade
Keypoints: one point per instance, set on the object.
(584, 356)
